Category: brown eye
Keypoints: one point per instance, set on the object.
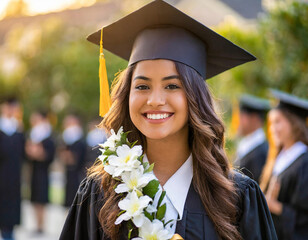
(172, 86)
(142, 87)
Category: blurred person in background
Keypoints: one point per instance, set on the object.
(253, 146)
(12, 145)
(40, 150)
(72, 154)
(285, 176)
(94, 137)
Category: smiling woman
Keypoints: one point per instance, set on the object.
(157, 101)
(163, 100)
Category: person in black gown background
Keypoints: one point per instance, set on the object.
(40, 150)
(12, 145)
(252, 148)
(285, 176)
(72, 155)
(163, 100)
(94, 137)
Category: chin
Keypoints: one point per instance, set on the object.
(155, 135)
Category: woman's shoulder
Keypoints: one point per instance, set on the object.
(253, 216)
(242, 182)
(304, 157)
(90, 185)
(82, 219)
(247, 189)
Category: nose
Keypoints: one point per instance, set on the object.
(156, 98)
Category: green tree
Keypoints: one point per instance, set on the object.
(60, 68)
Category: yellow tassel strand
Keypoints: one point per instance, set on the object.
(105, 101)
(176, 237)
(235, 119)
(271, 159)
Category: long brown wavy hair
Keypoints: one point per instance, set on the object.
(300, 133)
(206, 138)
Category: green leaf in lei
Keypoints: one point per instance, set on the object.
(161, 212)
(151, 188)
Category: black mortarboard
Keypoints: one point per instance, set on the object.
(11, 100)
(291, 103)
(252, 104)
(160, 31)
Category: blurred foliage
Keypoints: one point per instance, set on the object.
(51, 65)
(16, 8)
(280, 43)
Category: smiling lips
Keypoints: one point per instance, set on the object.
(157, 117)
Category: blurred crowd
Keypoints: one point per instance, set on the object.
(26, 159)
(271, 149)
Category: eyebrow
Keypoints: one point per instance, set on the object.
(164, 79)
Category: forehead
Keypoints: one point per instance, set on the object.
(276, 114)
(157, 67)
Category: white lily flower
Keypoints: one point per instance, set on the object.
(134, 208)
(126, 160)
(134, 180)
(151, 208)
(153, 230)
(112, 140)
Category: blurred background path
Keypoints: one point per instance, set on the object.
(55, 218)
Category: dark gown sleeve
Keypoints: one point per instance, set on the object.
(82, 222)
(293, 220)
(50, 150)
(254, 219)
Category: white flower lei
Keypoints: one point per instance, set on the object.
(142, 204)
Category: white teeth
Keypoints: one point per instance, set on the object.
(158, 116)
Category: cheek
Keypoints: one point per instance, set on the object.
(135, 103)
(180, 102)
(287, 129)
(132, 105)
(243, 120)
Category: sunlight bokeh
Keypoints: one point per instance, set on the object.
(39, 7)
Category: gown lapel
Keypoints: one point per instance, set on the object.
(195, 223)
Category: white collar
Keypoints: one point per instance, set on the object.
(287, 157)
(8, 125)
(250, 142)
(72, 134)
(40, 132)
(95, 137)
(178, 185)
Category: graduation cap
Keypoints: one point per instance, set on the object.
(292, 103)
(160, 31)
(252, 104)
(247, 104)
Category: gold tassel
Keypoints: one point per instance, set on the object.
(177, 237)
(235, 119)
(104, 102)
(271, 159)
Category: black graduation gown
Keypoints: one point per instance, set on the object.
(74, 172)
(254, 218)
(292, 224)
(12, 153)
(40, 173)
(252, 163)
(91, 156)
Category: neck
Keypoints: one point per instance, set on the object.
(252, 130)
(288, 144)
(168, 155)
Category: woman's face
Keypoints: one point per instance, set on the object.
(157, 100)
(281, 128)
